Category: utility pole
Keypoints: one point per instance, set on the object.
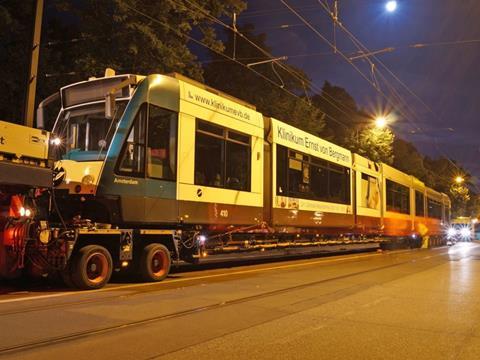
(32, 78)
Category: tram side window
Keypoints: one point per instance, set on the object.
(339, 187)
(162, 143)
(132, 158)
(434, 209)
(419, 204)
(370, 192)
(282, 161)
(298, 176)
(308, 177)
(320, 179)
(238, 161)
(398, 197)
(222, 157)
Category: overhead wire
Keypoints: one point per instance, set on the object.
(302, 79)
(198, 42)
(331, 45)
(332, 101)
(327, 97)
(256, 13)
(309, 25)
(240, 63)
(363, 48)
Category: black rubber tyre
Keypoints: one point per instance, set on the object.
(66, 276)
(92, 267)
(155, 262)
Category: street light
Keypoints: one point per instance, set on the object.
(459, 179)
(380, 122)
(391, 6)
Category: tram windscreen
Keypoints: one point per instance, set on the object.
(85, 129)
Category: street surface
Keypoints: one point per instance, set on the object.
(408, 304)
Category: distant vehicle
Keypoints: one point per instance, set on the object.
(461, 229)
(159, 168)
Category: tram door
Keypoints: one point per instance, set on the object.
(161, 166)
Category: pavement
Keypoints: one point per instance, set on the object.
(410, 304)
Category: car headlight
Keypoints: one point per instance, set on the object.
(465, 233)
(451, 232)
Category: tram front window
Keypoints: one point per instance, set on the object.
(86, 130)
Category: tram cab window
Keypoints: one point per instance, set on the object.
(162, 143)
(398, 197)
(419, 204)
(132, 158)
(85, 129)
(222, 157)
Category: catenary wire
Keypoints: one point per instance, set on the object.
(198, 42)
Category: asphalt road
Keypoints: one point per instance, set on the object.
(418, 304)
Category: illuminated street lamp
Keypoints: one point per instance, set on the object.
(380, 122)
(391, 6)
(459, 179)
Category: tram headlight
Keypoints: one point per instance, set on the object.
(451, 232)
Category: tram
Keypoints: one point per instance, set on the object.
(161, 167)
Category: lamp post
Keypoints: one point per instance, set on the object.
(459, 179)
(32, 78)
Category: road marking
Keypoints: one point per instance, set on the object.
(241, 272)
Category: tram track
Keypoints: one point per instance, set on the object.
(12, 349)
(166, 283)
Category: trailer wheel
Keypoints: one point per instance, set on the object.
(155, 262)
(92, 267)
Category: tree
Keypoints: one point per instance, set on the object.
(141, 36)
(343, 118)
(441, 173)
(270, 98)
(460, 197)
(374, 143)
(131, 36)
(408, 159)
(15, 42)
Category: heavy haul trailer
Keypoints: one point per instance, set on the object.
(23, 168)
(31, 244)
(153, 168)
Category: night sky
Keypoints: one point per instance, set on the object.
(445, 77)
